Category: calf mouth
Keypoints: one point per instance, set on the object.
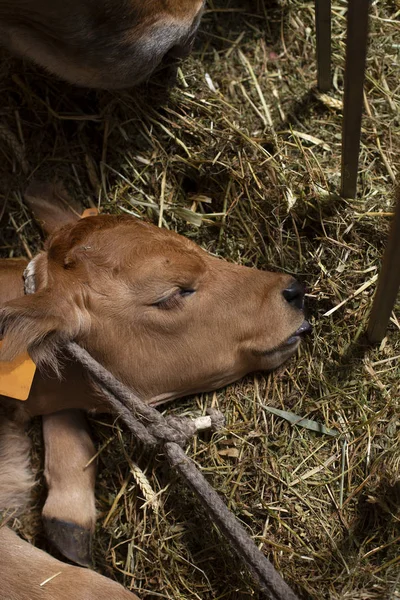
(291, 342)
(304, 328)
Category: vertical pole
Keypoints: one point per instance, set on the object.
(356, 52)
(388, 283)
(323, 34)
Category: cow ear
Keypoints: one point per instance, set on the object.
(52, 206)
(38, 324)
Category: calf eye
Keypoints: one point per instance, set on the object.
(174, 300)
(186, 292)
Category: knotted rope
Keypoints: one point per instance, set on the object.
(169, 434)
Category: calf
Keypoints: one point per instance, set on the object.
(99, 43)
(161, 314)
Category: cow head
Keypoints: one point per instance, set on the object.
(163, 315)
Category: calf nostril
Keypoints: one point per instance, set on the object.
(294, 294)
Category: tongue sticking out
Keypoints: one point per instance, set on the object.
(304, 328)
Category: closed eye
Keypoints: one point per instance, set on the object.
(174, 300)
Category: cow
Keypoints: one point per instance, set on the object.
(161, 314)
(106, 44)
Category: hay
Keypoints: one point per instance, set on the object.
(243, 156)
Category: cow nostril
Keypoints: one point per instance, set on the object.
(294, 294)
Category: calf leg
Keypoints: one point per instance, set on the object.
(27, 573)
(16, 478)
(69, 513)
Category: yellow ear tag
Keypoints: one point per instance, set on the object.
(89, 212)
(16, 376)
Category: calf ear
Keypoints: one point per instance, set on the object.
(37, 324)
(52, 206)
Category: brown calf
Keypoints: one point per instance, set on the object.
(99, 43)
(161, 314)
(28, 573)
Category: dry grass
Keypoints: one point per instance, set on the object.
(230, 144)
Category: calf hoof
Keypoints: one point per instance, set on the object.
(73, 541)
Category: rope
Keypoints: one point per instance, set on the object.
(144, 421)
(169, 434)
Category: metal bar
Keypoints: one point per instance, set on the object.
(323, 34)
(388, 283)
(356, 52)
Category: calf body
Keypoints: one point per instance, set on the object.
(99, 43)
(160, 313)
(27, 573)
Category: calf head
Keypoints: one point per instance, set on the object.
(159, 312)
(99, 43)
